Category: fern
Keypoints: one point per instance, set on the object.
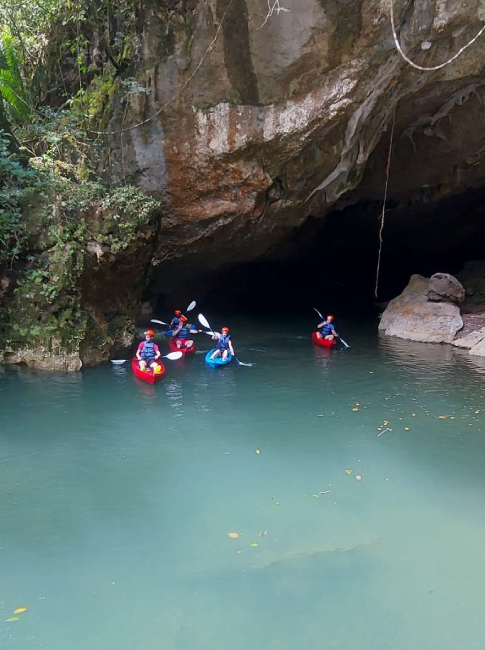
(11, 86)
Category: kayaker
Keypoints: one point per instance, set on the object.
(182, 333)
(148, 352)
(175, 320)
(224, 344)
(327, 329)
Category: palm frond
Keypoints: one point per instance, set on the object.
(11, 86)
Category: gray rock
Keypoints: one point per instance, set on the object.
(445, 287)
(412, 316)
(470, 340)
(42, 359)
(479, 349)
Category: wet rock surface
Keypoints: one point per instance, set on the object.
(414, 317)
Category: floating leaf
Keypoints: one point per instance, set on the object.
(358, 477)
(20, 610)
(254, 544)
(258, 451)
(348, 471)
(12, 619)
(317, 496)
(355, 409)
(406, 428)
(233, 535)
(442, 417)
(386, 422)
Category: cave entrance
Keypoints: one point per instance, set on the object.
(333, 259)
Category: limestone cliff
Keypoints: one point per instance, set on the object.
(251, 126)
(280, 119)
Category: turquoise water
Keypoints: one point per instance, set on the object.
(118, 497)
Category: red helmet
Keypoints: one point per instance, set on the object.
(330, 316)
(149, 333)
(183, 319)
(178, 312)
(225, 328)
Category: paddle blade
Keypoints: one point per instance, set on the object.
(203, 321)
(160, 322)
(173, 356)
(346, 344)
(319, 313)
(118, 362)
(241, 363)
(191, 306)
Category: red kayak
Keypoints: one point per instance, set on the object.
(147, 375)
(323, 343)
(184, 350)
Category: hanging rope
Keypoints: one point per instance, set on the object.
(383, 214)
(425, 68)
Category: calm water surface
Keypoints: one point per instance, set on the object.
(117, 499)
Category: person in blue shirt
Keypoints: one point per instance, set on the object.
(327, 330)
(224, 344)
(175, 320)
(182, 333)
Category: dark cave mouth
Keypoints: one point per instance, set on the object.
(333, 260)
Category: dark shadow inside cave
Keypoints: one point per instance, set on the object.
(331, 262)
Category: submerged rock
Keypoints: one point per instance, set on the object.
(414, 317)
(445, 287)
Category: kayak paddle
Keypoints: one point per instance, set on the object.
(240, 363)
(172, 356)
(204, 322)
(346, 344)
(160, 322)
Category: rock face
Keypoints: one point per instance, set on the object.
(443, 287)
(413, 316)
(268, 122)
(43, 359)
(479, 349)
(470, 340)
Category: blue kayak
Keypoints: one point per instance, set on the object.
(218, 361)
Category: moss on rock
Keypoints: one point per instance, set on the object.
(77, 297)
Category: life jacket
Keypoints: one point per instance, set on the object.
(175, 323)
(184, 333)
(223, 343)
(327, 329)
(148, 351)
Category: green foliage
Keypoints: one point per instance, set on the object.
(16, 183)
(11, 84)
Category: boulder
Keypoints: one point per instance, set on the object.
(412, 316)
(471, 339)
(479, 349)
(444, 287)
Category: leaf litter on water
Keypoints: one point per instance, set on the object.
(233, 535)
